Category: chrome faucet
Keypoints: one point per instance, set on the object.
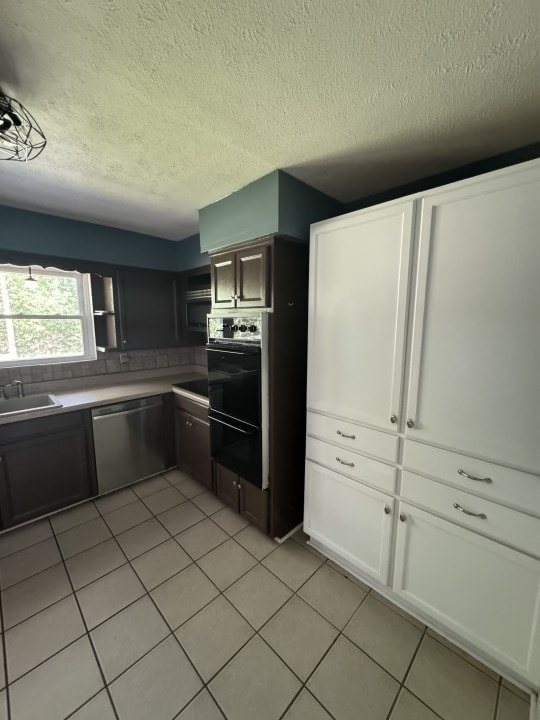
(14, 384)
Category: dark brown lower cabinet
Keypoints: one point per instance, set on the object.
(192, 440)
(45, 464)
(226, 489)
(242, 496)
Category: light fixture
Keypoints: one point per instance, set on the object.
(31, 282)
(21, 138)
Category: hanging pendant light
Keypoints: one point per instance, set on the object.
(21, 138)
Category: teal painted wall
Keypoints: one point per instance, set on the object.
(189, 255)
(42, 234)
(250, 212)
(276, 203)
(300, 205)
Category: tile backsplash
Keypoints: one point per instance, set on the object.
(107, 364)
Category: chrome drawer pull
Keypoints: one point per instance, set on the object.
(350, 437)
(472, 477)
(482, 516)
(344, 463)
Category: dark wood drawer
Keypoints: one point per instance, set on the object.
(191, 406)
(48, 424)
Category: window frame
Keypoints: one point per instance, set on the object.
(85, 316)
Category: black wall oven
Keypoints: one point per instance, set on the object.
(234, 393)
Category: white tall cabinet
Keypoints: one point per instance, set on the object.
(475, 381)
(359, 275)
(423, 449)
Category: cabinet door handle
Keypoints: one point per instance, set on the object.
(386, 510)
(403, 517)
(344, 462)
(393, 419)
(472, 477)
(482, 516)
(410, 423)
(343, 435)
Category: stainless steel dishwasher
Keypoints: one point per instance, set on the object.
(128, 441)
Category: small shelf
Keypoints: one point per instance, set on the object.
(104, 313)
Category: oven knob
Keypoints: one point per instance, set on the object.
(243, 328)
(234, 328)
(252, 328)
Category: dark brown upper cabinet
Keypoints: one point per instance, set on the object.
(45, 464)
(148, 309)
(240, 279)
(194, 303)
(223, 281)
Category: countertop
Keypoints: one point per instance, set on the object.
(79, 398)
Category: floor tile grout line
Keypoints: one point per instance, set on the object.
(292, 701)
(101, 542)
(401, 685)
(413, 658)
(172, 633)
(26, 547)
(49, 657)
(89, 636)
(201, 691)
(222, 592)
(485, 672)
(7, 629)
(85, 703)
(255, 632)
(4, 650)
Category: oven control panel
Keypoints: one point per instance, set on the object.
(246, 328)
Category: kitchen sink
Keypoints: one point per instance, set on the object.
(31, 403)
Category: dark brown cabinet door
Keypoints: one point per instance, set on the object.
(182, 439)
(223, 281)
(192, 441)
(147, 309)
(252, 286)
(254, 504)
(41, 474)
(201, 462)
(227, 486)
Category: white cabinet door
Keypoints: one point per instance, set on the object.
(484, 592)
(475, 366)
(350, 519)
(359, 273)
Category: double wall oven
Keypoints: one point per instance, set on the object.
(238, 394)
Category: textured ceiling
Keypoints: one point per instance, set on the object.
(155, 108)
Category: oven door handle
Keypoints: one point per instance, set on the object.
(233, 427)
(230, 352)
(247, 351)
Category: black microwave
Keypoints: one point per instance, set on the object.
(196, 311)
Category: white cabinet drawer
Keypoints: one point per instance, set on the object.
(354, 437)
(352, 464)
(507, 486)
(507, 526)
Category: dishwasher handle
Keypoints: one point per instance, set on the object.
(134, 411)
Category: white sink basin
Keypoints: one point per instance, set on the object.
(31, 403)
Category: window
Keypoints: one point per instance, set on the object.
(44, 320)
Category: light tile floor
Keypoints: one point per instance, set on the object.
(157, 602)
